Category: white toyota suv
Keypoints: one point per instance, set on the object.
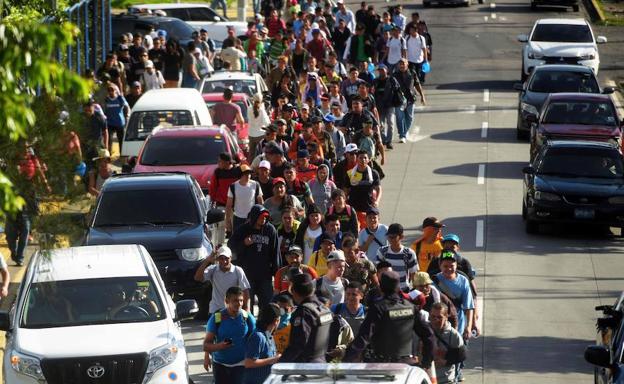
(560, 41)
(96, 314)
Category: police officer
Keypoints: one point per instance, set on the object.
(310, 322)
(389, 326)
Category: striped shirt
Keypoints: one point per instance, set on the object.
(402, 261)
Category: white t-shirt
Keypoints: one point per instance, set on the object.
(395, 46)
(222, 281)
(309, 237)
(244, 197)
(335, 288)
(415, 47)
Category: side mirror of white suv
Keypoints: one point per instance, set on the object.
(601, 40)
(523, 38)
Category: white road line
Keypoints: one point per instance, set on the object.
(493, 5)
(484, 129)
(486, 95)
(480, 313)
(493, 16)
(467, 109)
(479, 239)
(485, 18)
(503, 18)
(481, 174)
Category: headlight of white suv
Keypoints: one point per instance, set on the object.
(529, 109)
(588, 56)
(161, 357)
(27, 365)
(546, 196)
(535, 55)
(193, 254)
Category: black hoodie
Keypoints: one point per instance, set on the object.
(261, 259)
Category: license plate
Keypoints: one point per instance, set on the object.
(583, 213)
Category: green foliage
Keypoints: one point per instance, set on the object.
(27, 68)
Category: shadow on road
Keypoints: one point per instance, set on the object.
(493, 170)
(494, 135)
(492, 85)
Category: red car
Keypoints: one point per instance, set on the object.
(244, 102)
(191, 149)
(576, 116)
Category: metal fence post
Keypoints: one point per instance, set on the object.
(86, 37)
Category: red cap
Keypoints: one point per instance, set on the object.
(278, 180)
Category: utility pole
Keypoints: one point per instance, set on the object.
(242, 9)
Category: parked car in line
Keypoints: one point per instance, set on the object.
(610, 336)
(199, 16)
(176, 28)
(94, 314)
(245, 105)
(251, 84)
(194, 150)
(163, 108)
(574, 182)
(547, 79)
(560, 41)
(390, 373)
(575, 116)
(140, 209)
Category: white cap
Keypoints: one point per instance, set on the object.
(149, 64)
(224, 251)
(336, 255)
(264, 164)
(351, 147)
(340, 2)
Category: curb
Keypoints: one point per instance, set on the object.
(594, 10)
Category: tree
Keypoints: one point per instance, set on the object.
(31, 82)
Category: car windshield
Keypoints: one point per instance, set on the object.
(147, 207)
(173, 151)
(240, 103)
(237, 85)
(582, 162)
(141, 124)
(563, 81)
(562, 33)
(71, 303)
(580, 112)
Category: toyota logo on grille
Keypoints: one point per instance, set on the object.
(95, 371)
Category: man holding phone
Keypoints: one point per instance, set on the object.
(226, 335)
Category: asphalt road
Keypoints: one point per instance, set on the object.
(463, 165)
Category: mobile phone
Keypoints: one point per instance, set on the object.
(227, 340)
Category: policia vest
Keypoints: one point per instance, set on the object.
(392, 338)
(319, 338)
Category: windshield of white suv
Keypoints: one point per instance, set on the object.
(580, 112)
(71, 303)
(563, 81)
(562, 33)
(175, 151)
(237, 85)
(151, 207)
(576, 162)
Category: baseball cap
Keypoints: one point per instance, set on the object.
(329, 118)
(161, 33)
(274, 149)
(294, 249)
(336, 255)
(305, 106)
(245, 168)
(351, 147)
(149, 64)
(264, 164)
(288, 108)
(372, 211)
(136, 84)
(382, 66)
(278, 180)
(421, 278)
(432, 222)
(387, 28)
(302, 154)
(224, 250)
(103, 153)
(451, 237)
(270, 128)
(395, 229)
(325, 237)
(280, 121)
(448, 255)
(123, 47)
(315, 119)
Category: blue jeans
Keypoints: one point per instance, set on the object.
(404, 119)
(228, 375)
(17, 231)
(219, 3)
(256, 6)
(385, 115)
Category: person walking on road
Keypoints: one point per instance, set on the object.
(260, 350)
(408, 82)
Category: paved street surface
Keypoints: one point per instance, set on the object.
(463, 165)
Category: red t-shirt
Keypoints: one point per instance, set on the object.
(317, 49)
(281, 281)
(225, 113)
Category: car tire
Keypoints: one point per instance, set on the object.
(575, 8)
(524, 211)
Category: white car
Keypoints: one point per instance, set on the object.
(320, 373)
(198, 16)
(241, 82)
(94, 314)
(560, 41)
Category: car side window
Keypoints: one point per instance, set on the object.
(179, 13)
(203, 14)
(200, 198)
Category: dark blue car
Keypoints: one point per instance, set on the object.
(168, 214)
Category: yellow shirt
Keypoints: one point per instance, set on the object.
(318, 261)
(282, 338)
(428, 251)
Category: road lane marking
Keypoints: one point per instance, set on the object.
(484, 129)
(481, 174)
(479, 238)
(467, 109)
(486, 95)
(493, 16)
(480, 313)
(485, 18)
(493, 5)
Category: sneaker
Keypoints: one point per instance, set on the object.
(19, 263)
(403, 140)
(389, 146)
(460, 376)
